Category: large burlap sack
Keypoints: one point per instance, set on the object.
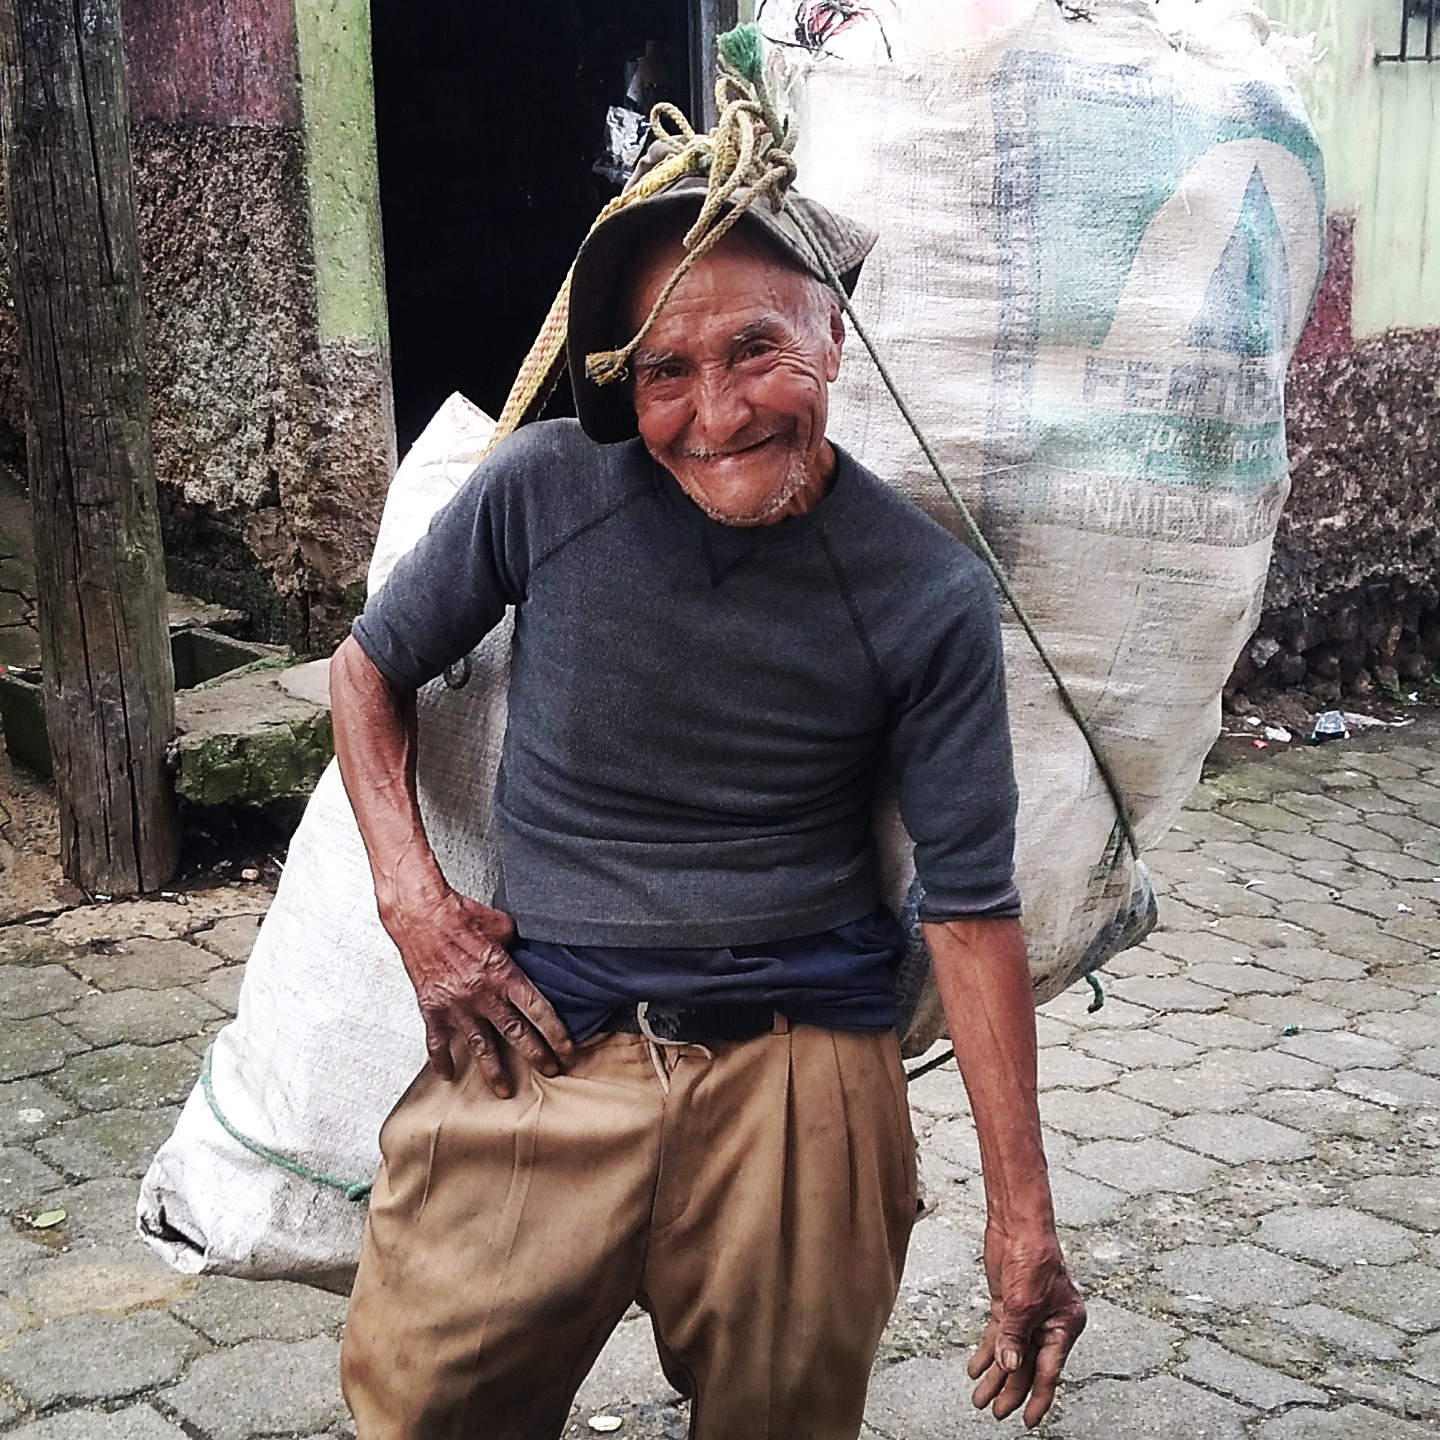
(328, 1034)
(1097, 252)
(1100, 239)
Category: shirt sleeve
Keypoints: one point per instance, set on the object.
(447, 593)
(950, 749)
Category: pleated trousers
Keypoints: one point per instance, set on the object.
(755, 1197)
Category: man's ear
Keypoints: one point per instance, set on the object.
(837, 338)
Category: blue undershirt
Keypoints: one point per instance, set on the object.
(840, 978)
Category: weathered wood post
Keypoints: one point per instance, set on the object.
(104, 644)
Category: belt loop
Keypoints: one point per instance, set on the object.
(781, 1025)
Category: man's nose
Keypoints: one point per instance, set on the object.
(720, 405)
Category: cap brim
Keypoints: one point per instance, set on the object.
(606, 412)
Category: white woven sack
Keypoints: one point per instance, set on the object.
(1099, 244)
(328, 1034)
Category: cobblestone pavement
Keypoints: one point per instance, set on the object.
(1244, 1146)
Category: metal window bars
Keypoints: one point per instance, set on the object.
(1419, 31)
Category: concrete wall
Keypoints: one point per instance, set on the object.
(1352, 606)
(257, 201)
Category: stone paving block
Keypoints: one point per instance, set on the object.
(1384, 766)
(1345, 1332)
(1409, 789)
(1263, 1069)
(23, 1179)
(108, 1279)
(1097, 1115)
(954, 1141)
(1074, 1005)
(1050, 1030)
(1351, 1422)
(1282, 1011)
(231, 1311)
(1081, 1201)
(100, 1212)
(29, 1110)
(1212, 825)
(1374, 947)
(1328, 1112)
(1213, 1365)
(1342, 1049)
(262, 1387)
(28, 991)
(1421, 977)
(145, 964)
(1184, 1092)
(1305, 963)
(1302, 846)
(1426, 1061)
(1407, 1295)
(941, 1092)
(1395, 864)
(34, 1047)
(1335, 1236)
(1359, 997)
(928, 1399)
(1425, 1359)
(1242, 979)
(1391, 1087)
(1409, 1199)
(231, 939)
(1200, 947)
(1413, 1028)
(134, 1422)
(1383, 1386)
(108, 1142)
(1161, 1408)
(1236, 1276)
(88, 1357)
(1403, 828)
(1293, 889)
(139, 1017)
(1245, 858)
(1225, 898)
(1415, 929)
(1318, 808)
(941, 1251)
(1207, 1031)
(1251, 817)
(1169, 993)
(1140, 1166)
(1064, 1068)
(1237, 1139)
(221, 988)
(1131, 1048)
(1138, 960)
(1120, 1343)
(1267, 934)
(134, 1076)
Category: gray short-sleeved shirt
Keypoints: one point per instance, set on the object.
(697, 711)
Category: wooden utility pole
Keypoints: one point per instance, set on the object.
(104, 643)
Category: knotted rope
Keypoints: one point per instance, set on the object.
(743, 162)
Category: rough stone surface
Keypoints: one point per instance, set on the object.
(1161, 1408)
(1254, 1216)
(1212, 1365)
(1335, 1236)
(89, 1358)
(261, 1387)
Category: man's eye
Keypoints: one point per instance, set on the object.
(757, 349)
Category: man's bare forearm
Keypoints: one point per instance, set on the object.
(1035, 1311)
(984, 983)
(375, 733)
(455, 949)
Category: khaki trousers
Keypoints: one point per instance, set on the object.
(755, 1197)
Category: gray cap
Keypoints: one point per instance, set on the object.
(596, 299)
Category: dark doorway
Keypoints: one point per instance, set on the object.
(490, 122)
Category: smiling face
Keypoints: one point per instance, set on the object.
(731, 382)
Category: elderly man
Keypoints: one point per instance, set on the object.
(663, 1065)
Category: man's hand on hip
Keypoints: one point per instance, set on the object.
(1036, 1316)
(469, 988)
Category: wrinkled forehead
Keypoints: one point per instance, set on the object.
(746, 248)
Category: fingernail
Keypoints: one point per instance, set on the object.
(1010, 1359)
